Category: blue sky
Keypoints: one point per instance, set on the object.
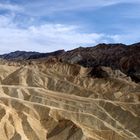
(48, 25)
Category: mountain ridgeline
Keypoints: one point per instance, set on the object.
(117, 56)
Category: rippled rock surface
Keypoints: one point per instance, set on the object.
(61, 101)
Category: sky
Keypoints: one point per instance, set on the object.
(49, 25)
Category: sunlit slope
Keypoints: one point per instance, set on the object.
(57, 101)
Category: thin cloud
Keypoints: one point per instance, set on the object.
(37, 8)
(44, 7)
(10, 7)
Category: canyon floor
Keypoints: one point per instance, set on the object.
(61, 101)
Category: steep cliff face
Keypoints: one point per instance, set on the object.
(61, 101)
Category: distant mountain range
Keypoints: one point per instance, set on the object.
(117, 56)
(23, 55)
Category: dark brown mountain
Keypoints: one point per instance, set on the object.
(23, 55)
(117, 56)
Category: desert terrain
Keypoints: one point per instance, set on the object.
(60, 100)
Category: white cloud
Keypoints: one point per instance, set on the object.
(47, 37)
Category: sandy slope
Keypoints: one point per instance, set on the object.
(56, 101)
